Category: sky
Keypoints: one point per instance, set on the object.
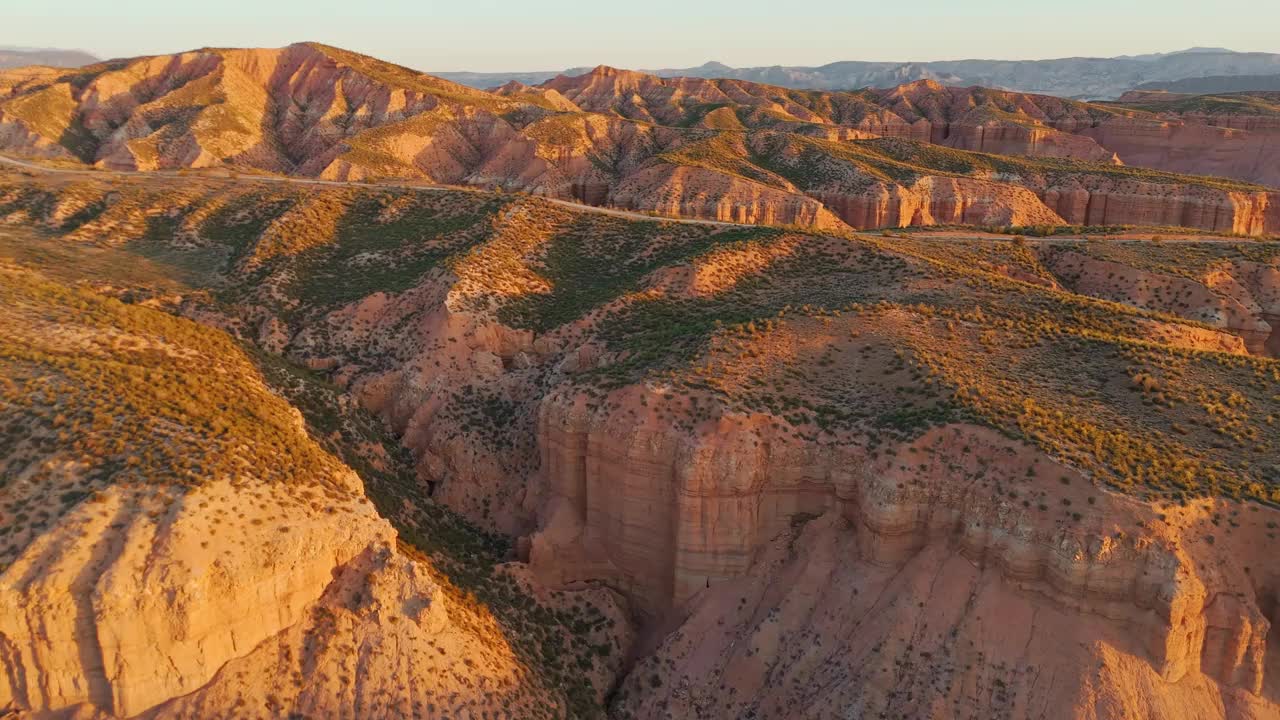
(490, 36)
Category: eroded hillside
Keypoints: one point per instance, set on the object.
(920, 154)
(1231, 135)
(177, 541)
(826, 471)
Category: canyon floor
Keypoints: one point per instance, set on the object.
(275, 448)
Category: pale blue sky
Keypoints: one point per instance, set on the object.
(489, 35)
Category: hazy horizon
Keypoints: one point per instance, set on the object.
(487, 36)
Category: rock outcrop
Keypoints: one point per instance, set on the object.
(177, 544)
(134, 610)
(815, 627)
(1086, 201)
(940, 201)
(389, 638)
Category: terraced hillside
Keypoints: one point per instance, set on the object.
(816, 465)
(722, 150)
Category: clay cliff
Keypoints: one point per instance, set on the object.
(118, 599)
(1233, 135)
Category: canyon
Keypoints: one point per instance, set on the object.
(329, 388)
(784, 471)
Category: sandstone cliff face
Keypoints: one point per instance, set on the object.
(1011, 139)
(132, 610)
(388, 638)
(1226, 146)
(677, 520)
(813, 627)
(939, 201)
(1082, 201)
(696, 192)
(147, 540)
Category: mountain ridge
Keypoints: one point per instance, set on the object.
(1108, 78)
(14, 56)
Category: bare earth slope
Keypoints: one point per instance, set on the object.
(831, 474)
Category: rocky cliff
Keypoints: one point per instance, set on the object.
(133, 611)
(1228, 146)
(115, 592)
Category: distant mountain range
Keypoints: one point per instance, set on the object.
(11, 57)
(1216, 84)
(1088, 78)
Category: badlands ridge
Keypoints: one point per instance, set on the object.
(919, 154)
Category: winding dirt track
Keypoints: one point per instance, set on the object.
(337, 183)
